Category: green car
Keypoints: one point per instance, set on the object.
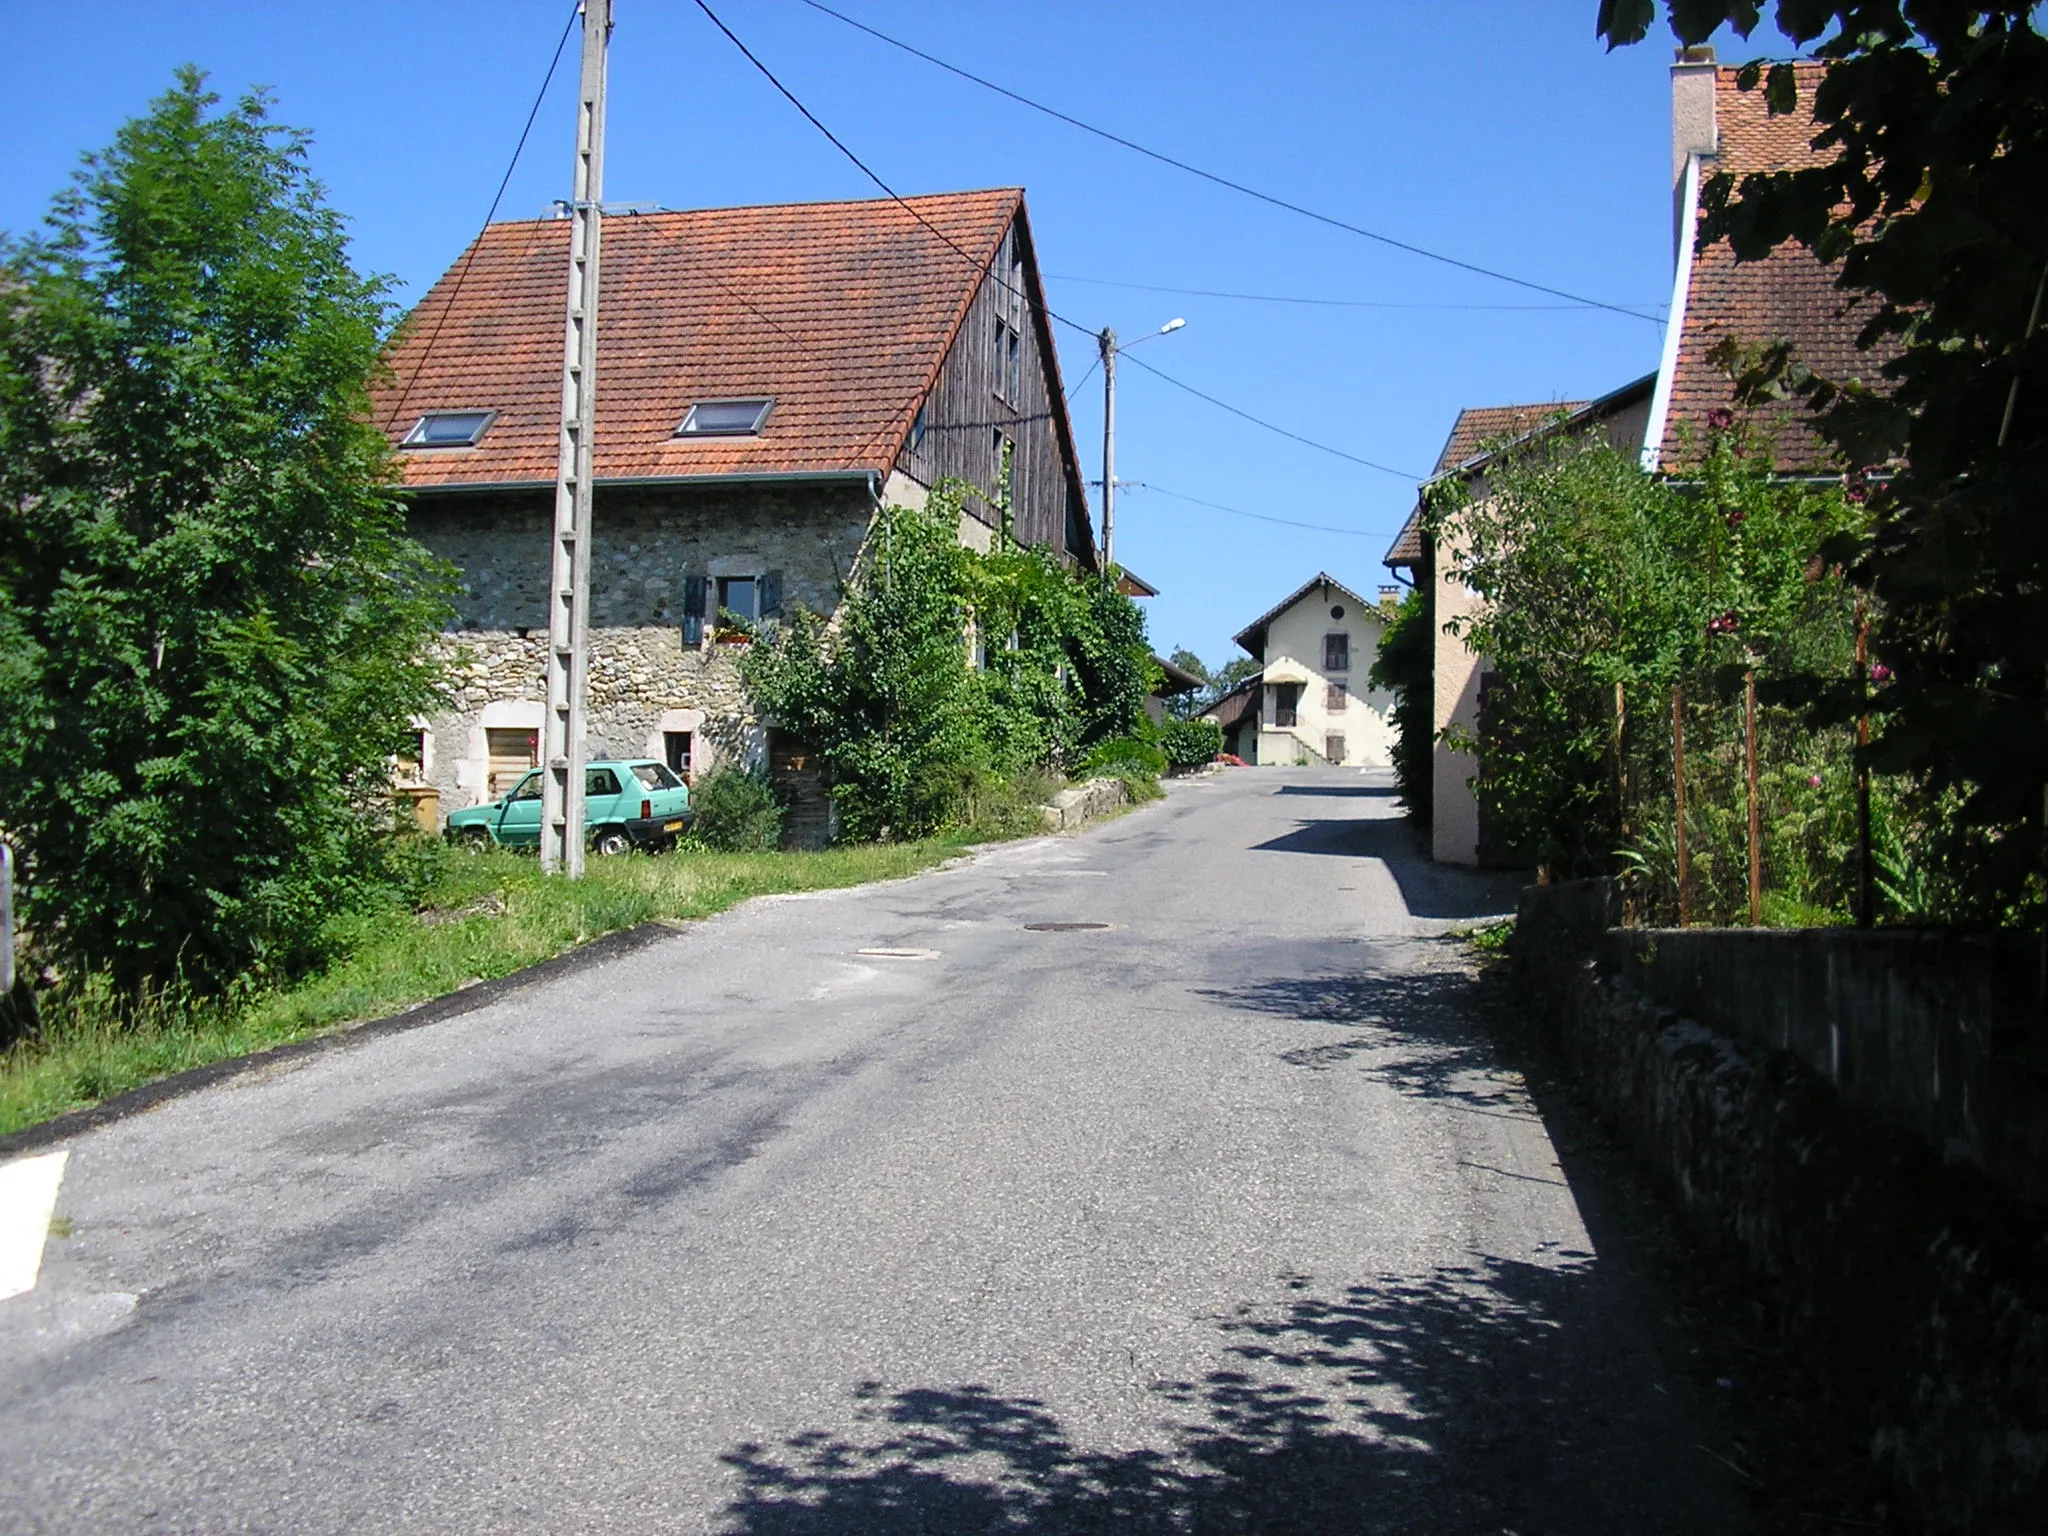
(631, 803)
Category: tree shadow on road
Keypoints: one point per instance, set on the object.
(1412, 1029)
(1472, 1398)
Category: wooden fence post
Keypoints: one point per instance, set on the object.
(1678, 797)
(1866, 900)
(1756, 824)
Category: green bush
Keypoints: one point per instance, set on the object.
(1122, 756)
(736, 811)
(1191, 743)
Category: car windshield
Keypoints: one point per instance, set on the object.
(655, 776)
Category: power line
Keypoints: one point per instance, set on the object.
(981, 266)
(1217, 506)
(462, 272)
(1223, 181)
(1259, 421)
(1283, 298)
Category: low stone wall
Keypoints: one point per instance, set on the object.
(1916, 1283)
(1076, 807)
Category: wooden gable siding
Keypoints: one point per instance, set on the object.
(967, 409)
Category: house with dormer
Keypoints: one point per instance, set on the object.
(768, 378)
(1315, 649)
(1789, 296)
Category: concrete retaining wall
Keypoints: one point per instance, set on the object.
(1828, 1108)
(1076, 807)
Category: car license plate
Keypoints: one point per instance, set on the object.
(672, 826)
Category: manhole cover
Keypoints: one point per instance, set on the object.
(1066, 927)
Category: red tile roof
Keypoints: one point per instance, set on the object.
(842, 312)
(1476, 426)
(1788, 295)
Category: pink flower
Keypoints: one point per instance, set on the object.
(1720, 419)
(1737, 518)
(1880, 673)
(1813, 781)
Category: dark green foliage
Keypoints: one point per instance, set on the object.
(1406, 667)
(908, 727)
(1933, 208)
(734, 810)
(213, 625)
(1191, 743)
(1125, 755)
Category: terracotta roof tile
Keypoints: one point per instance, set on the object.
(1789, 295)
(841, 312)
(1475, 427)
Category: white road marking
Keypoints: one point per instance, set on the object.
(28, 1198)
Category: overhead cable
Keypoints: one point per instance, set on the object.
(982, 266)
(1283, 298)
(462, 272)
(1263, 517)
(1224, 181)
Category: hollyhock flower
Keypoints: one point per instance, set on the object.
(1720, 420)
(1880, 673)
(1737, 518)
(1813, 781)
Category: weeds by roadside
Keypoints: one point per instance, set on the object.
(476, 916)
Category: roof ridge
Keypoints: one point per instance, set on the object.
(828, 202)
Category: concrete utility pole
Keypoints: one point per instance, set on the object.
(561, 817)
(1108, 341)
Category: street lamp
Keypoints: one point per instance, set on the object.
(1107, 341)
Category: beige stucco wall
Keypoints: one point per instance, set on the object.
(1294, 643)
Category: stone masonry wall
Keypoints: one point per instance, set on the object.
(1915, 1285)
(643, 679)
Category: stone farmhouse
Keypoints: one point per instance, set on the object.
(1313, 703)
(768, 379)
(1788, 296)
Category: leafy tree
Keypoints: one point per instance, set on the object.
(1938, 113)
(215, 628)
(1406, 666)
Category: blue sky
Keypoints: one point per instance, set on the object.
(1502, 134)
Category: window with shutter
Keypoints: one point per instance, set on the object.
(1333, 747)
(771, 595)
(694, 595)
(1336, 653)
(1333, 699)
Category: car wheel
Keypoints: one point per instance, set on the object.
(610, 841)
(475, 839)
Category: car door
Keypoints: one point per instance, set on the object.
(602, 798)
(519, 822)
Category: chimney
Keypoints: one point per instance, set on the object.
(1693, 131)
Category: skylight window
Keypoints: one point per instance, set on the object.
(449, 429)
(725, 418)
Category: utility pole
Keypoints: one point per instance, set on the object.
(561, 816)
(1108, 342)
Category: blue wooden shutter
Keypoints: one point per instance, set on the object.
(771, 595)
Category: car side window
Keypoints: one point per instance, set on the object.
(655, 776)
(599, 781)
(529, 788)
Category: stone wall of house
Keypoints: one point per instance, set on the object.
(644, 679)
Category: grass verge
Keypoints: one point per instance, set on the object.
(479, 916)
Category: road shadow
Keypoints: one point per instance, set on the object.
(1410, 1029)
(1428, 889)
(1368, 791)
(1473, 1398)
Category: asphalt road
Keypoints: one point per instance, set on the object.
(1224, 1217)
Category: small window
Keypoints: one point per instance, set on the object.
(917, 430)
(1333, 699)
(1336, 653)
(740, 596)
(449, 429)
(1013, 375)
(1333, 747)
(725, 418)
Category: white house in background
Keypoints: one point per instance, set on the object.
(1315, 649)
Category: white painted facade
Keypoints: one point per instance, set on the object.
(1337, 716)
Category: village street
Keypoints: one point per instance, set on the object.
(875, 1211)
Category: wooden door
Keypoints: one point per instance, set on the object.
(511, 752)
